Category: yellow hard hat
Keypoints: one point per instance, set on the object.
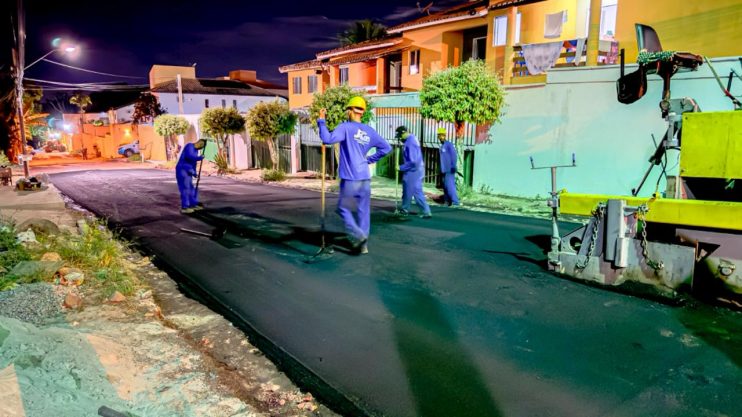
(442, 131)
(356, 101)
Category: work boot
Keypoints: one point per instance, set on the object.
(356, 242)
(403, 212)
(426, 216)
(186, 210)
(197, 207)
(364, 249)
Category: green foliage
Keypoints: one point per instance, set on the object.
(469, 93)
(4, 161)
(11, 253)
(362, 30)
(265, 121)
(220, 123)
(334, 100)
(146, 109)
(95, 251)
(168, 125)
(135, 158)
(222, 165)
(272, 175)
(81, 101)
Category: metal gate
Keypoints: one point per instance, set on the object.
(261, 155)
(426, 131)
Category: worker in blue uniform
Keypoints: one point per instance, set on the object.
(356, 140)
(413, 172)
(185, 171)
(448, 169)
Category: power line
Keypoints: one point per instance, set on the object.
(90, 71)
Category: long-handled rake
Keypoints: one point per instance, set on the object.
(324, 248)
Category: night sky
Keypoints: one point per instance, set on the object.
(128, 37)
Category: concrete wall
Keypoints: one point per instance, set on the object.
(195, 103)
(576, 111)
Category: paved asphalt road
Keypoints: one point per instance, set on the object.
(453, 316)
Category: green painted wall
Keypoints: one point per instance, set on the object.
(577, 112)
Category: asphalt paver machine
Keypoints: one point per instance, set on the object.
(690, 238)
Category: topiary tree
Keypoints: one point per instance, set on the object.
(468, 93)
(220, 124)
(266, 121)
(169, 126)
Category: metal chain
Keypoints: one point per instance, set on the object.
(641, 213)
(598, 215)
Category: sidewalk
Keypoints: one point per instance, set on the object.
(69, 350)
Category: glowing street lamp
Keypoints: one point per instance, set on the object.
(58, 47)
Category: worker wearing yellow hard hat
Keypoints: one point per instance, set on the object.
(356, 140)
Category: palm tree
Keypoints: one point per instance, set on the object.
(362, 30)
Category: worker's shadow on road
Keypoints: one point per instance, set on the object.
(543, 242)
(443, 378)
(302, 240)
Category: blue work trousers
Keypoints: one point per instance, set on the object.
(449, 189)
(188, 193)
(412, 186)
(355, 194)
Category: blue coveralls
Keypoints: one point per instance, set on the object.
(412, 181)
(448, 168)
(185, 170)
(356, 139)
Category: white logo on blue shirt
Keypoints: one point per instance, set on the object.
(362, 137)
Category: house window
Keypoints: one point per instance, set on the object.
(206, 103)
(344, 75)
(224, 103)
(296, 81)
(415, 62)
(608, 19)
(312, 84)
(500, 34)
(479, 48)
(234, 103)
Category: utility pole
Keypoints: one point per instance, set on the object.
(19, 61)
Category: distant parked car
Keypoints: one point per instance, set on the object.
(129, 149)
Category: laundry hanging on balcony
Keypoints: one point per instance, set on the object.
(541, 56)
(553, 24)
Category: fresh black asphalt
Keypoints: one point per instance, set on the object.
(452, 316)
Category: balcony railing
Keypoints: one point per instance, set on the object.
(607, 54)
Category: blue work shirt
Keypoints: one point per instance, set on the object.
(188, 159)
(355, 139)
(412, 156)
(448, 157)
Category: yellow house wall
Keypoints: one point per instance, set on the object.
(712, 27)
(305, 98)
